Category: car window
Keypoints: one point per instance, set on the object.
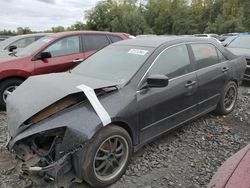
(114, 63)
(172, 63)
(115, 38)
(34, 46)
(22, 43)
(95, 42)
(240, 42)
(65, 46)
(205, 55)
(221, 56)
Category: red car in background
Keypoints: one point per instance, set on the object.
(53, 53)
(235, 172)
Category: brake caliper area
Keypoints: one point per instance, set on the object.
(43, 162)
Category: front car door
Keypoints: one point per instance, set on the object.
(212, 72)
(161, 109)
(66, 53)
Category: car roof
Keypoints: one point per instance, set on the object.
(30, 35)
(247, 36)
(69, 33)
(156, 41)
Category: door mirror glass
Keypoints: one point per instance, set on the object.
(157, 80)
(44, 55)
(12, 48)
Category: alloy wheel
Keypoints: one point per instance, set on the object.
(111, 157)
(230, 98)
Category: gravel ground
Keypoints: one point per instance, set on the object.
(187, 157)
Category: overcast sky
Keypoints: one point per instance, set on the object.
(40, 15)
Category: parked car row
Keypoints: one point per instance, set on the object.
(87, 122)
(51, 53)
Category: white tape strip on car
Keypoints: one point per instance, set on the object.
(101, 112)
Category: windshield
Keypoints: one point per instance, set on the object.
(114, 63)
(228, 40)
(240, 42)
(8, 41)
(29, 50)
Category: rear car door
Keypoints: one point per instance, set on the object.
(212, 72)
(93, 43)
(161, 109)
(66, 53)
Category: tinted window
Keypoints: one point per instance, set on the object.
(115, 38)
(172, 63)
(22, 43)
(205, 55)
(65, 46)
(95, 42)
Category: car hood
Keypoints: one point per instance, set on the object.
(39, 92)
(240, 51)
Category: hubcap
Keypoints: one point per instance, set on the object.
(230, 98)
(111, 158)
(7, 92)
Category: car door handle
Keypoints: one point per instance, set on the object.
(225, 69)
(78, 60)
(190, 83)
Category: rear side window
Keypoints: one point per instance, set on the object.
(114, 38)
(173, 62)
(95, 42)
(205, 55)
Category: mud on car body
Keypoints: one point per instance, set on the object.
(87, 122)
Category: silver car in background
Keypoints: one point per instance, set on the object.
(19, 42)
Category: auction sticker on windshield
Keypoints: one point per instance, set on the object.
(138, 52)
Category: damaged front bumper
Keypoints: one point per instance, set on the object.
(59, 173)
(44, 164)
(51, 150)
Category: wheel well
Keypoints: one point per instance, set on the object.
(126, 127)
(233, 80)
(15, 77)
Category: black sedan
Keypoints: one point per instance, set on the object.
(241, 46)
(87, 122)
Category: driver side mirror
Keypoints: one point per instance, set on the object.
(12, 48)
(43, 55)
(157, 81)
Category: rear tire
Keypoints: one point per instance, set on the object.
(110, 149)
(6, 87)
(228, 99)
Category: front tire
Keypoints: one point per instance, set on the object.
(6, 88)
(107, 156)
(228, 99)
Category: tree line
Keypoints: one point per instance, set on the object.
(164, 17)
